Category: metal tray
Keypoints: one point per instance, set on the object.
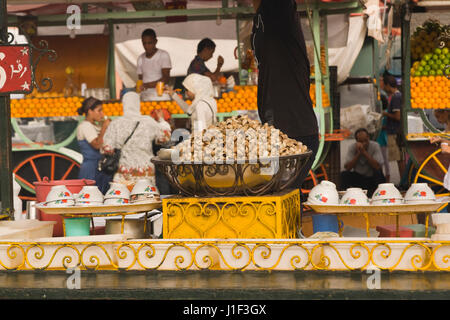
(399, 208)
(123, 208)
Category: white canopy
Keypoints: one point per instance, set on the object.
(182, 51)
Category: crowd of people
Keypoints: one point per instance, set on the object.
(98, 135)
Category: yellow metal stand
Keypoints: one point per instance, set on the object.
(275, 216)
(122, 225)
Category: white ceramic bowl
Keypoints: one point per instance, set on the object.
(116, 201)
(144, 186)
(382, 202)
(91, 194)
(355, 196)
(59, 192)
(440, 218)
(60, 203)
(386, 191)
(419, 192)
(117, 191)
(325, 193)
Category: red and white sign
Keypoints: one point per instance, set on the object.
(15, 69)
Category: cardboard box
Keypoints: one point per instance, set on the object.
(391, 231)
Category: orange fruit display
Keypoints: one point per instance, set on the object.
(431, 92)
(56, 105)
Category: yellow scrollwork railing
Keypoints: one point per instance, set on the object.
(251, 254)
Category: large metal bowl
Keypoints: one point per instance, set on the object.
(238, 178)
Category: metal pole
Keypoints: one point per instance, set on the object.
(111, 62)
(6, 188)
(238, 48)
(318, 82)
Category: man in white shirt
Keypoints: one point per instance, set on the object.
(152, 66)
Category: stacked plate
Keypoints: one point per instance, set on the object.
(59, 196)
(89, 196)
(118, 193)
(144, 191)
(419, 193)
(387, 194)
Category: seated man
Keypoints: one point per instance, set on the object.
(205, 51)
(363, 164)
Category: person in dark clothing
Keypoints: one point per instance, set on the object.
(205, 51)
(363, 164)
(393, 120)
(284, 74)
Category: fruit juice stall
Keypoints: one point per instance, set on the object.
(426, 88)
(226, 217)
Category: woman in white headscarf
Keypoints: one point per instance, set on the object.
(203, 110)
(135, 161)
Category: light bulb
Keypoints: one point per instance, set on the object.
(72, 34)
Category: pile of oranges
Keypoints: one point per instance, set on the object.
(56, 105)
(431, 92)
(325, 98)
(242, 98)
(45, 107)
(115, 108)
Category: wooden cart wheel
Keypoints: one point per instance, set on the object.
(309, 182)
(321, 173)
(432, 171)
(52, 165)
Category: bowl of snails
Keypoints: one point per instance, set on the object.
(238, 156)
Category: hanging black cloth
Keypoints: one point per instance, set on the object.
(283, 64)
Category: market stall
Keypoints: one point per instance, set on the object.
(425, 84)
(58, 108)
(230, 216)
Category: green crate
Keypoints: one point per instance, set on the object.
(419, 230)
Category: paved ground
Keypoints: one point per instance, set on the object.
(216, 285)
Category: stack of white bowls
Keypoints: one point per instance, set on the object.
(144, 191)
(59, 196)
(117, 194)
(387, 194)
(325, 193)
(89, 196)
(419, 193)
(356, 197)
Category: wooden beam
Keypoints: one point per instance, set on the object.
(193, 14)
(139, 16)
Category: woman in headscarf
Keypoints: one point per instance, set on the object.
(135, 160)
(90, 139)
(203, 109)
